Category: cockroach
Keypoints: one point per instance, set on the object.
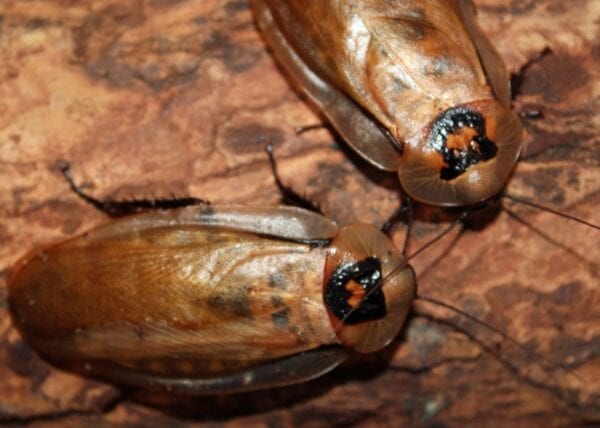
(211, 299)
(412, 86)
(206, 299)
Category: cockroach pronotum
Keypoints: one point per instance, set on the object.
(412, 86)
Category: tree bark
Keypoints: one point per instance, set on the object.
(154, 98)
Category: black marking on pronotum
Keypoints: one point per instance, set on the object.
(457, 160)
(365, 274)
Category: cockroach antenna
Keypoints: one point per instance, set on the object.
(523, 201)
(550, 364)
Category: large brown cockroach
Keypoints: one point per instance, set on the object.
(207, 299)
(210, 299)
(412, 86)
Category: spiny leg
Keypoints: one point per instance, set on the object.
(288, 195)
(120, 208)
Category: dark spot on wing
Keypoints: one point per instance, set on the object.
(441, 65)
(36, 23)
(280, 319)
(277, 280)
(276, 301)
(233, 301)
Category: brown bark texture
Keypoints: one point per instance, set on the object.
(149, 98)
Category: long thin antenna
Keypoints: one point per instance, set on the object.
(514, 369)
(455, 223)
(574, 253)
(470, 317)
(402, 265)
(520, 200)
(551, 364)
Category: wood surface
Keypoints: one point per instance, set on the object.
(150, 98)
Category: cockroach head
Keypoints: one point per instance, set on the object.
(464, 156)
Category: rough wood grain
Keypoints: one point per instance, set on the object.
(154, 97)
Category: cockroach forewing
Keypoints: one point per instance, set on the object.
(493, 64)
(177, 293)
(283, 222)
(402, 62)
(356, 127)
(290, 370)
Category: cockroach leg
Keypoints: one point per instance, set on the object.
(388, 226)
(288, 195)
(410, 222)
(406, 212)
(120, 208)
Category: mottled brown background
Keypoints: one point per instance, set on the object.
(154, 97)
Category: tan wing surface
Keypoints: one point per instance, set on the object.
(169, 299)
(285, 222)
(492, 62)
(403, 62)
(352, 122)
